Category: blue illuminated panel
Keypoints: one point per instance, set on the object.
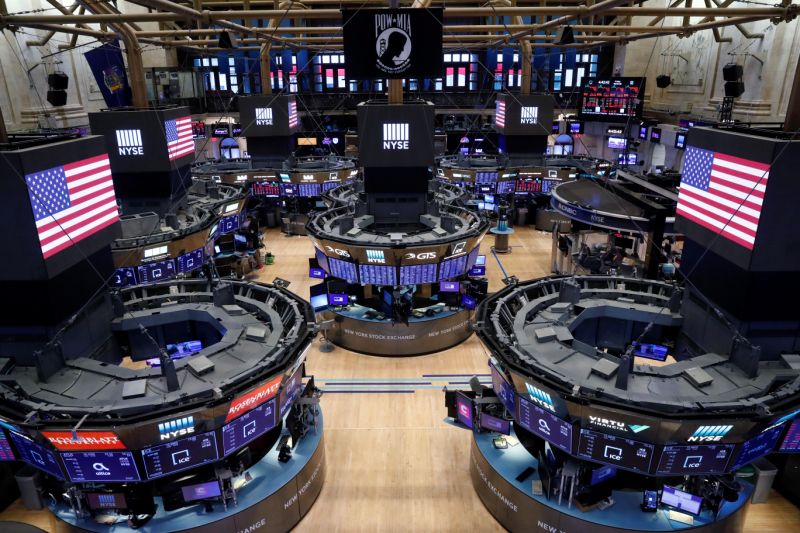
(100, 467)
(547, 426)
(157, 271)
(309, 189)
(451, 268)
(289, 189)
(248, 427)
(377, 275)
(6, 453)
(290, 390)
(343, 270)
(166, 459)
(758, 446)
(485, 177)
(472, 258)
(503, 389)
(700, 459)
(329, 185)
(618, 451)
(190, 261)
(228, 224)
(506, 187)
(123, 277)
(414, 274)
(36, 455)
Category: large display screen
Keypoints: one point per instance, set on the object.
(156, 271)
(529, 185)
(758, 446)
(464, 405)
(266, 189)
(493, 423)
(791, 442)
(124, 277)
(6, 453)
(683, 501)
(690, 460)
(36, 455)
(485, 177)
(503, 389)
(166, 459)
(377, 275)
(100, 467)
(309, 189)
(506, 187)
(472, 257)
(451, 268)
(547, 426)
(614, 99)
(292, 387)
(248, 427)
(343, 270)
(618, 451)
(330, 185)
(201, 491)
(414, 274)
(228, 224)
(190, 261)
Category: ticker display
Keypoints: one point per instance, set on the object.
(6, 453)
(309, 189)
(124, 277)
(156, 271)
(690, 460)
(248, 427)
(36, 455)
(166, 459)
(100, 467)
(377, 275)
(451, 268)
(266, 189)
(791, 442)
(547, 426)
(503, 389)
(623, 453)
(506, 187)
(343, 270)
(613, 99)
(417, 274)
(190, 261)
(758, 446)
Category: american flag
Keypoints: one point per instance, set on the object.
(292, 114)
(500, 114)
(179, 137)
(723, 193)
(72, 202)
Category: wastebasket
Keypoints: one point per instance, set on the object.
(272, 219)
(522, 216)
(764, 477)
(29, 481)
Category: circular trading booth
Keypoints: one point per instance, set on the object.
(606, 414)
(413, 286)
(192, 415)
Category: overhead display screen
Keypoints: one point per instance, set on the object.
(124, 277)
(100, 467)
(329, 185)
(485, 177)
(414, 274)
(36, 455)
(547, 426)
(248, 427)
(343, 270)
(451, 268)
(291, 388)
(529, 185)
(309, 189)
(228, 224)
(6, 453)
(472, 257)
(503, 389)
(166, 459)
(690, 460)
(156, 271)
(791, 442)
(506, 187)
(618, 451)
(266, 189)
(614, 99)
(190, 261)
(758, 446)
(377, 275)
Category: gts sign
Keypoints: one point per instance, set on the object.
(421, 256)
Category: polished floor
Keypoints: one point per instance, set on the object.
(393, 463)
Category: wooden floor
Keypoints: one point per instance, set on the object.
(393, 464)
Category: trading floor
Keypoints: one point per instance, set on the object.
(394, 463)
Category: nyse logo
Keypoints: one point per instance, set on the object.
(421, 256)
(263, 116)
(129, 142)
(375, 256)
(541, 397)
(529, 115)
(395, 136)
(176, 428)
(709, 433)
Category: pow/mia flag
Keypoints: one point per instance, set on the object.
(392, 43)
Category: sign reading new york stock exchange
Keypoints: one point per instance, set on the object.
(392, 43)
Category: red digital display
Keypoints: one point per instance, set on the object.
(87, 440)
(529, 185)
(609, 99)
(266, 189)
(254, 398)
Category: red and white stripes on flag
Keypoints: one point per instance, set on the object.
(72, 202)
(723, 193)
(179, 137)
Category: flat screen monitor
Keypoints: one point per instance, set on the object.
(201, 491)
(343, 270)
(480, 260)
(338, 299)
(286, 178)
(495, 423)
(643, 133)
(758, 446)
(682, 501)
(791, 442)
(506, 187)
(529, 185)
(105, 500)
(228, 224)
(248, 427)
(617, 143)
(485, 177)
(100, 467)
(319, 297)
(623, 453)
(631, 160)
(36, 455)
(545, 425)
(477, 271)
(290, 390)
(329, 185)
(452, 268)
(198, 130)
(266, 189)
(651, 351)
(236, 130)
(468, 302)
(655, 135)
(322, 259)
(377, 275)
(602, 474)
(309, 190)
(576, 128)
(418, 274)
(449, 286)
(6, 453)
(503, 389)
(680, 141)
(317, 273)
(465, 409)
(156, 271)
(289, 189)
(124, 277)
(485, 188)
(690, 460)
(172, 457)
(556, 127)
(190, 261)
(611, 99)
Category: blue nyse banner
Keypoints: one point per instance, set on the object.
(109, 72)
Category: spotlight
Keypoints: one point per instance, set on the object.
(57, 94)
(734, 88)
(663, 81)
(732, 72)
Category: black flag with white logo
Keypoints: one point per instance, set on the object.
(392, 43)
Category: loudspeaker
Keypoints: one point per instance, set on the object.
(58, 81)
(732, 72)
(565, 35)
(57, 98)
(663, 81)
(227, 40)
(734, 88)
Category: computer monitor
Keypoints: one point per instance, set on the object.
(602, 474)
(651, 351)
(682, 501)
(319, 297)
(317, 273)
(465, 409)
(480, 261)
(201, 491)
(468, 302)
(449, 286)
(98, 501)
(338, 299)
(477, 271)
(496, 424)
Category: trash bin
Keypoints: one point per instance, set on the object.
(522, 216)
(764, 477)
(272, 219)
(29, 480)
